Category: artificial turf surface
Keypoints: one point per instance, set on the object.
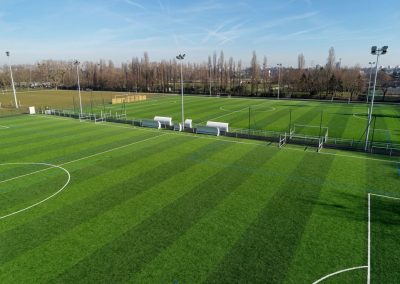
(345, 121)
(147, 206)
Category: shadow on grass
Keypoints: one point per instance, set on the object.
(355, 207)
(366, 115)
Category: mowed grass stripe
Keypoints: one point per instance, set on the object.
(335, 236)
(329, 232)
(38, 135)
(18, 194)
(265, 251)
(241, 118)
(210, 106)
(385, 221)
(261, 119)
(84, 239)
(107, 191)
(60, 140)
(104, 171)
(40, 131)
(325, 234)
(212, 110)
(385, 231)
(142, 243)
(194, 255)
(380, 133)
(74, 151)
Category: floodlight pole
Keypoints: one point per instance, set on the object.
(12, 81)
(279, 78)
(370, 77)
(377, 52)
(180, 57)
(76, 62)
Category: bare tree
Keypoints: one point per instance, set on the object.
(254, 74)
(331, 61)
(210, 74)
(301, 62)
(265, 73)
(221, 70)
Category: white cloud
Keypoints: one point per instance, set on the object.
(135, 4)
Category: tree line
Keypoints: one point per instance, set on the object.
(216, 76)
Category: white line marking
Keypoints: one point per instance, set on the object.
(369, 229)
(114, 149)
(59, 166)
(338, 272)
(227, 114)
(47, 198)
(110, 124)
(254, 109)
(4, 127)
(369, 240)
(347, 156)
(385, 196)
(25, 175)
(235, 111)
(80, 159)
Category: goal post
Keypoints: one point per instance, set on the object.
(310, 131)
(320, 144)
(282, 140)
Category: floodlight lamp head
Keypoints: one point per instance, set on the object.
(374, 49)
(384, 49)
(7, 53)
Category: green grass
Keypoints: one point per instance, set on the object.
(147, 206)
(346, 121)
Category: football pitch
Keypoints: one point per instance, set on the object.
(112, 203)
(343, 121)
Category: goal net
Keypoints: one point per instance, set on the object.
(309, 131)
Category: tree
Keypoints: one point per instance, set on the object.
(265, 74)
(331, 61)
(383, 82)
(332, 85)
(301, 62)
(210, 74)
(221, 70)
(352, 82)
(254, 74)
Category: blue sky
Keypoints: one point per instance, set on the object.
(122, 29)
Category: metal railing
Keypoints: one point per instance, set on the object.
(281, 138)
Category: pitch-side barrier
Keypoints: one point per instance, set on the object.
(281, 138)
